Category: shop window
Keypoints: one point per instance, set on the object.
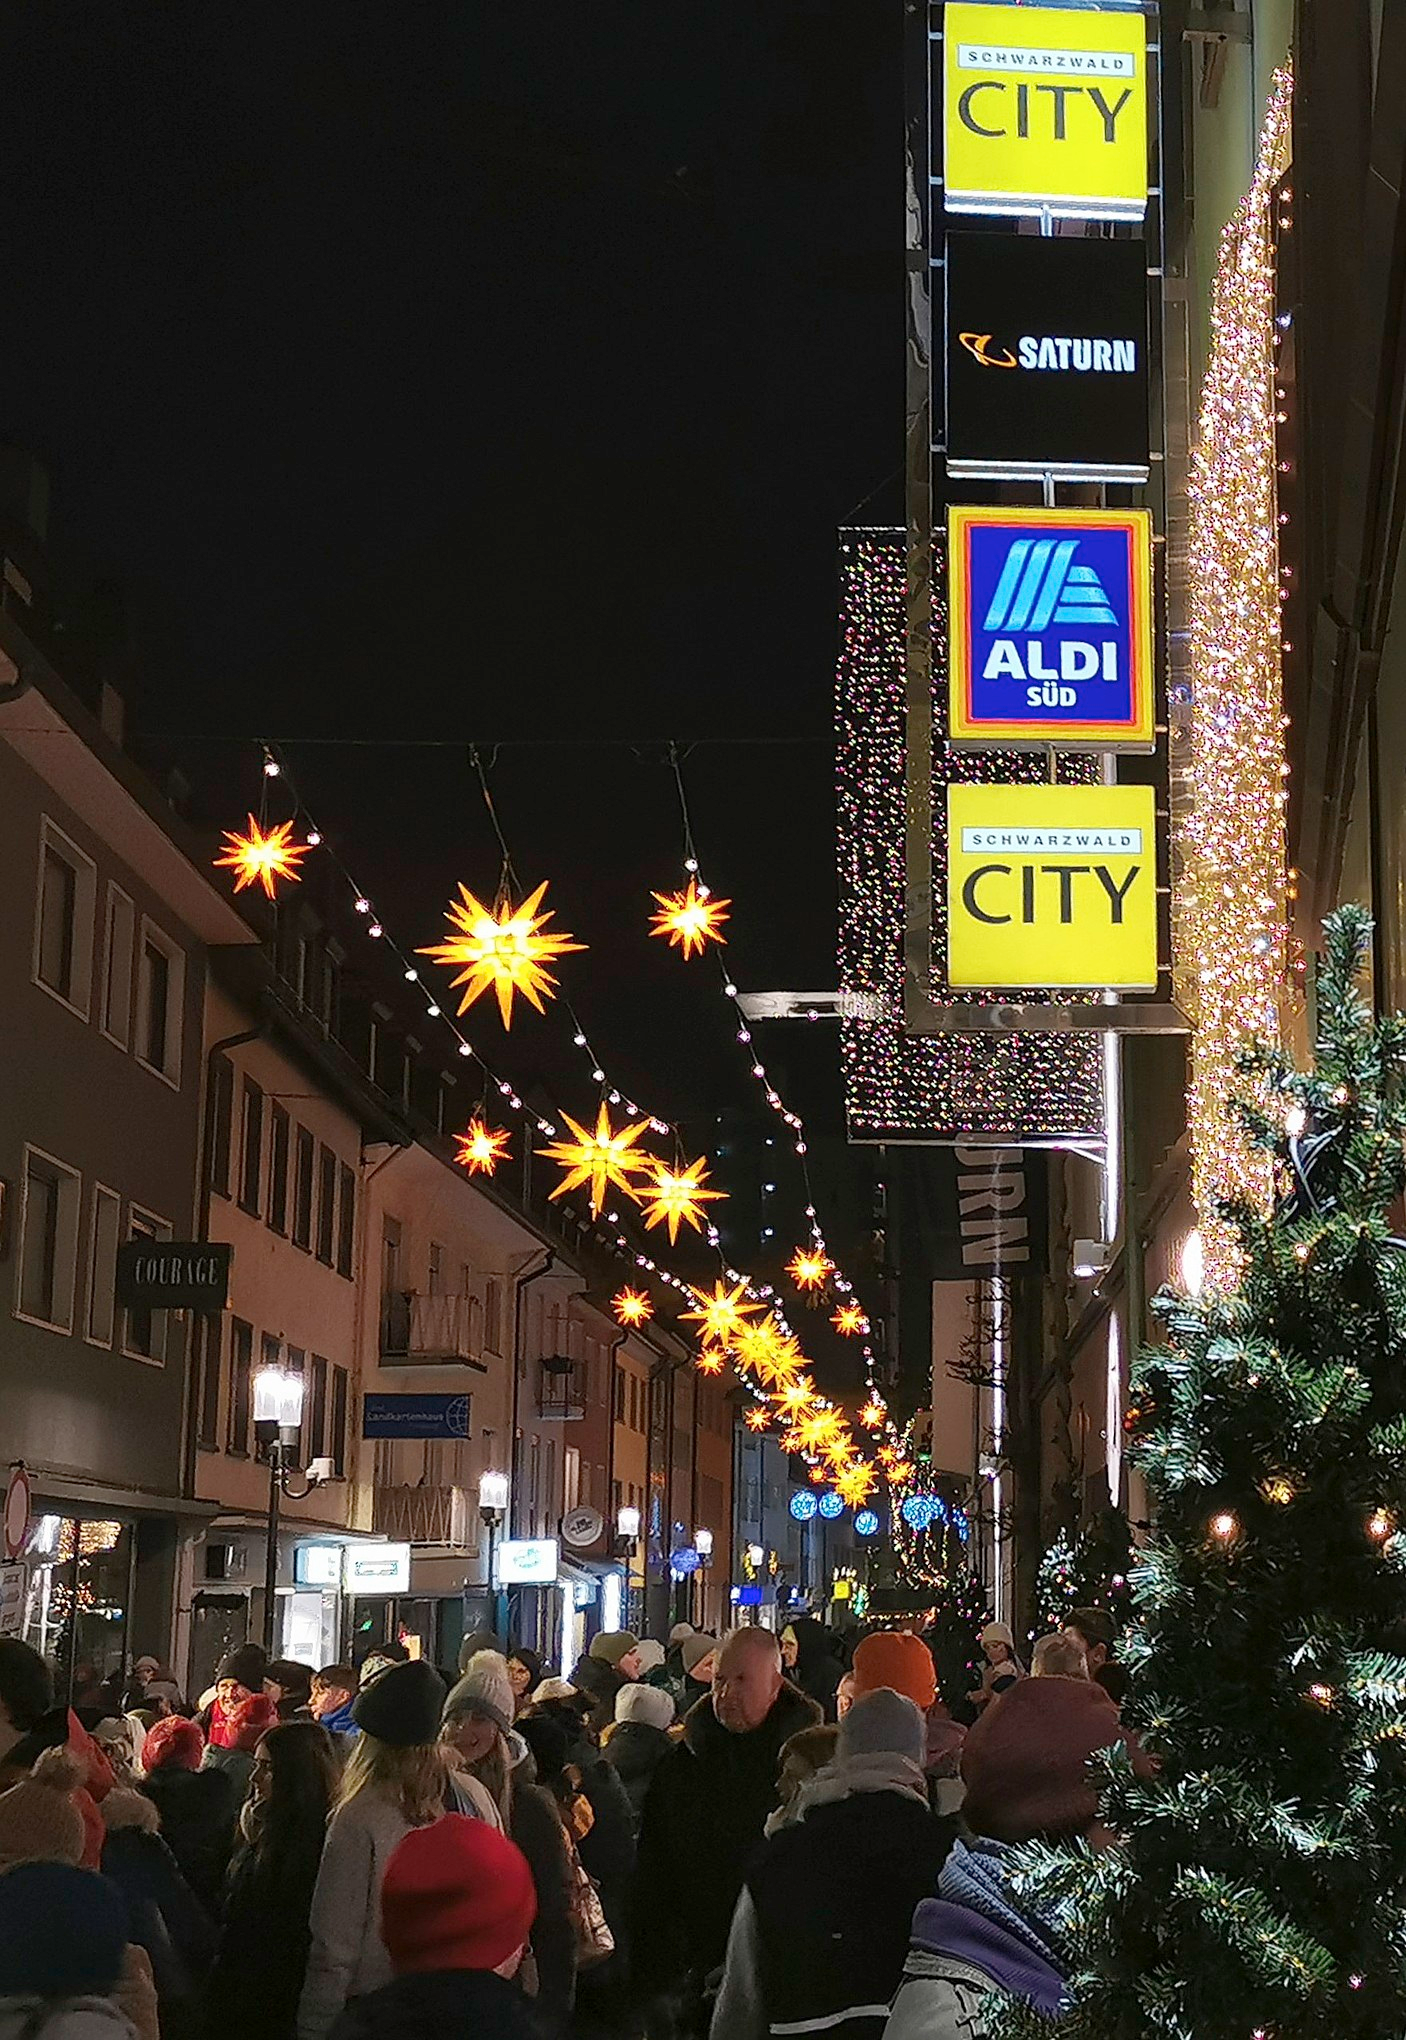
(302, 1189)
(104, 1233)
(219, 1130)
(144, 1333)
(251, 1149)
(160, 1003)
(48, 1241)
(326, 1204)
(63, 920)
(241, 1368)
(278, 1169)
(117, 967)
(346, 1221)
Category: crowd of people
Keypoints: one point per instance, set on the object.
(730, 1836)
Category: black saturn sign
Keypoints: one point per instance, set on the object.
(172, 1274)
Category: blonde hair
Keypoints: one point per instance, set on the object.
(413, 1779)
(1060, 1656)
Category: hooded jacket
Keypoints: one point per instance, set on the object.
(166, 1917)
(440, 2004)
(600, 1683)
(703, 1819)
(817, 1670)
(968, 1942)
(635, 1751)
(198, 1811)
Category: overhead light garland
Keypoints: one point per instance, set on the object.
(502, 948)
(480, 1148)
(262, 856)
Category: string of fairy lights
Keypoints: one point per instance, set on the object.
(1232, 922)
(506, 949)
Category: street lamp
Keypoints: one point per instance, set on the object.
(703, 1545)
(278, 1419)
(492, 1507)
(627, 1537)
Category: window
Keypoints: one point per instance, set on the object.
(620, 1380)
(144, 1335)
(278, 1169)
(48, 1241)
(218, 1133)
(493, 1316)
(326, 1203)
(241, 1367)
(251, 1148)
(315, 1428)
(302, 1190)
(337, 1443)
(346, 1221)
(160, 1004)
(209, 1331)
(295, 1360)
(117, 967)
(106, 1230)
(436, 1270)
(63, 922)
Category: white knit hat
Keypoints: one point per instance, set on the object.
(651, 1704)
(484, 1689)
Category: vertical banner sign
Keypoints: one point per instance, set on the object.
(1052, 887)
(1045, 111)
(1050, 621)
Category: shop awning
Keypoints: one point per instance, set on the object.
(72, 1494)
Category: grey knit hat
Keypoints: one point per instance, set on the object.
(637, 1702)
(484, 1689)
(883, 1723)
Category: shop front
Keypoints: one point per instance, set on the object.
(316, 1591)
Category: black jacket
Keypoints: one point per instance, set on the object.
(863, 1864)
(536, 1828)
(817, 1669)
(165, 1916)
(198, 1810)
(600, 1683)
(438, 2004)
(635, 1751)
(703, 1820)
(263, 1948)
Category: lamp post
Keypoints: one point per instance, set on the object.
(278, 1419)
(627, 1537)
(703, 1545)
(492, 1507)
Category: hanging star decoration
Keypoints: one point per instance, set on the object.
(480, 1148)
(856, 1484)
(600, 1158)
(710, 1360)
(808, 1267)
(723, 1312)
(690, 918)
(502, 947)
(873, 1413)
(677, 1196)
(262, 856)
(796, 1394)
(850, 1320)
(632, 1307)
(756, 1418)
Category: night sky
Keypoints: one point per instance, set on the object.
(479, 373)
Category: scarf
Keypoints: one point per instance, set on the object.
(876, 1771)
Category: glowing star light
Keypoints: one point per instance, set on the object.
(690, 918)
(873, 1414)
(721, 1313)
(850, 1320)
(756, 1418)
(632, 1307)
(808, 1268)
(501, 947)
(601, 1159)
(261, 857)
(480, 1148)
(677, 1196)
(711, 1360)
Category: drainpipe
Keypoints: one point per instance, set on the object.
(190, 1441)
(520, 1284)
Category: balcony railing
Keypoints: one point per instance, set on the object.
(424, 1515)
(561, 1390)
(424, 1330)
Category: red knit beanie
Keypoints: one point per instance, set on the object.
(173, 1743)
(1025, 1763)
(456, 1895)
(247, 1721)
(899, 1660)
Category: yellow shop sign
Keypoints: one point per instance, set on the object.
(1052, 887)
(1045, 110)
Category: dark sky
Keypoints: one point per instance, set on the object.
(485, 371)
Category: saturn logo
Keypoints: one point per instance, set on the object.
(979, 344)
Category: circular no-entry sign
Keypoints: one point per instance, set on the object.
(16, 1512)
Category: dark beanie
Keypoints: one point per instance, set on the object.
(63, 1932)
(402, 1705)
(246, 1665)
(1025, 1764)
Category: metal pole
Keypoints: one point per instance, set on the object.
(271, 1547)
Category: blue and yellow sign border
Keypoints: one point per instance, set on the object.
(1136, 732)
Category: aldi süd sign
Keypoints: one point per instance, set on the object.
(1045, 111)
(1050, 627)
(1052, 888)
(1046, 358)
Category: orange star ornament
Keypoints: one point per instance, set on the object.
(262, 856)
(691, 918)
(480, 1148)
(502, 947)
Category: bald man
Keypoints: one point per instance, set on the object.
(705, 1814)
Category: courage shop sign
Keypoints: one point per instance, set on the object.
(1052, 887)
(1050, 627)
(172, 1274)
(1046, 367)
(1045, 111)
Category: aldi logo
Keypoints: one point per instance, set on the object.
(1050, 627)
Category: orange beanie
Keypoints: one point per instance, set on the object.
(901, 1661)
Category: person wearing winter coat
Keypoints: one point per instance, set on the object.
(812, 1661)
(612, 1662)
(26, 1690)
(396, 1778)
(63, 1937)
(1025, 1766)
(902, 1662)
(289, 1685)
(198, 1808)
(525, 1673)
(240, 1677)
(704, 1815)
(242, 1727)
(639, 1740)
(1001, 1669)
(166, 1918)
(457, 1907)
(330, 1703)
(865, 1850)
(478, 1728)
(261, 1959)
